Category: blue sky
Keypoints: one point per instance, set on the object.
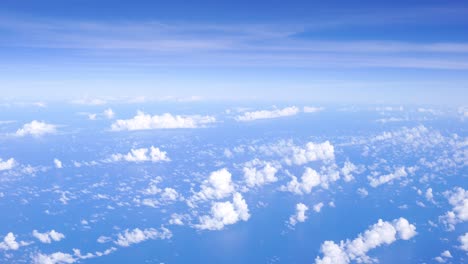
(333, 51)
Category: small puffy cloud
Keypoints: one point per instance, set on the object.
(92, 116)
(178, 219)
(258, 173)
(318, 207)
(463, 242)
(58, 164)
(310, 179)
(381, 233)
(218, 185)
(362, 192)
(137, 235)
(48, 237)
(458, 198)
(300, 215)
(103, 239)
(429, 195)
(169, 194)
(9, 242)
(268, 114)
(108, 113)
(347, 170)
(54, 258)
(293, 154)
(36, 128)
(144, 121)
(140, 155)
(312, 109)
(311, 152)
(7, 164)
(444, 256)
(377, 181)
(225, 213)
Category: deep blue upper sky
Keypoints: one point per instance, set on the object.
(369, 51)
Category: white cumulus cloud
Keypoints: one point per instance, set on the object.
(310, 179)
(225, 213)
(108, 113)
(7, 164)
(36, 128)
(300, 215)
(218, 185)
(48, 237)
(54, 258)
(377, 181)
(152, 154)
(293, 154)
(258, 173)
(381, 233)
(458, 199)
(58, 164)
(144, 121)
(311, 152)
(463, 242)
(135, 236)
(318, 207)
(268, 114)
(9, 242)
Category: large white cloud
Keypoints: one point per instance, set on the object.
(268, 114)
(381, 233)
(140, 155)
(144, 121)
(218, 185)
(48, 237)
(225, 213)
(36, 128)
(258, 173)
(169, 194)
(7, 164)
(458, 198)
(137, 235)
(300, 215)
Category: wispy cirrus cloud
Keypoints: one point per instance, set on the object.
(153, 43)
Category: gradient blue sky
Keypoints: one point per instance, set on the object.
(316, 51)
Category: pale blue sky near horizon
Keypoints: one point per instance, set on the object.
(334, 52)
